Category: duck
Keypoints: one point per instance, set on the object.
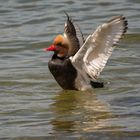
(77, 62)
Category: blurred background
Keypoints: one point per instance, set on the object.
(33, 106)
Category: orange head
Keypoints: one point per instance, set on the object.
(60, 46)
(59, 40)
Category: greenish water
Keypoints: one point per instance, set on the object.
(33, 106)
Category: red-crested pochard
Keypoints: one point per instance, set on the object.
(77, 63)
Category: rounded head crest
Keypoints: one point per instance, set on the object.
(58, 40)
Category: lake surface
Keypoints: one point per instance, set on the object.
(33, 106)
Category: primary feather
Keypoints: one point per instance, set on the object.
(74, 35)
(93, 55)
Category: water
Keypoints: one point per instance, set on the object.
(33, 106)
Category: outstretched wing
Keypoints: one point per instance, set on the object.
(93, 55)
(74, 35)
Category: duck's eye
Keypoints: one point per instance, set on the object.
(59, 44)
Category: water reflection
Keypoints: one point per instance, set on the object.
(76, 111)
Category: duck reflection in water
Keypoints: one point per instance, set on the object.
(75, 112)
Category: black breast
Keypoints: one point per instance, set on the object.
(63, 71)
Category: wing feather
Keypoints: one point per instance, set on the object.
(93, 55)
(79, 35)
(74, 35)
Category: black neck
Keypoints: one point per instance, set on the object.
(57, 57)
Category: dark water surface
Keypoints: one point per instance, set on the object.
(33, 106)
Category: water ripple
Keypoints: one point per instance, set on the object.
(33, 106)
